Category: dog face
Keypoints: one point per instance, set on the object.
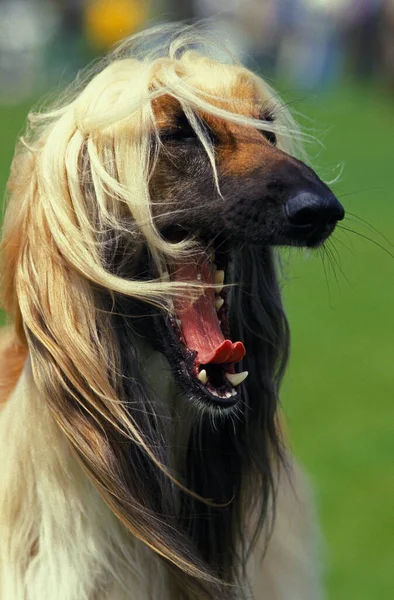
(262, 197)
(177, 151)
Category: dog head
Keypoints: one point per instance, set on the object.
(142, 219)
(221, 177)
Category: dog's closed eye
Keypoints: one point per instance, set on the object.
(270, 136)
(182, 131)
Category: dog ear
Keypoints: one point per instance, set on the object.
(19, 190)
(234, 460)
(258, 319)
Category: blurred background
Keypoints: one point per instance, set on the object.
(333, 61)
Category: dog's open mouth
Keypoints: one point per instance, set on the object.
(201, 327)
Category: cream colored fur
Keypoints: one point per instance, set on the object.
(290, 568)
(59, 540)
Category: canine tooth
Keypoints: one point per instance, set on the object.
(219, 303)
(202, 376)
(228, 394)
(219, 276)
(237, 378)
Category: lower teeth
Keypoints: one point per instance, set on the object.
(221, 394)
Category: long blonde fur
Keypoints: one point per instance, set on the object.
(83, 169)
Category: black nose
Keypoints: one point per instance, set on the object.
(307, 208)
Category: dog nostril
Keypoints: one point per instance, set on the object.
(309, 209)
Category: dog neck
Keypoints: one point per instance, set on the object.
(59, 539)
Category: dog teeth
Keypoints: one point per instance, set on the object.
(219, 277)
(228, 394)
(237, 378)
(202, 376)
(219, 303)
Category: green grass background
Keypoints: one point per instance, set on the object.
(339, 390)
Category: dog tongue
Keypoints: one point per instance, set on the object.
(199, 321)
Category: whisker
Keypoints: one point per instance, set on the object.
(371, 227)
(322, 256)
(358, 192)
(365, 237)
(334, 250)
(332, 264)
(335, 256)
(348, 248)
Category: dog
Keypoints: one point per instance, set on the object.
(140, 436)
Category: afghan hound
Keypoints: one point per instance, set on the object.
(140, 446)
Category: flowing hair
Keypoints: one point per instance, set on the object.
(78, 197)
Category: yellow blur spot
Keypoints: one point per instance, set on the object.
(108, 21)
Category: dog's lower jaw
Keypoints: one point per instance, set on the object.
(60, 540)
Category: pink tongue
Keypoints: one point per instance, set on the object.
(199, 321)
